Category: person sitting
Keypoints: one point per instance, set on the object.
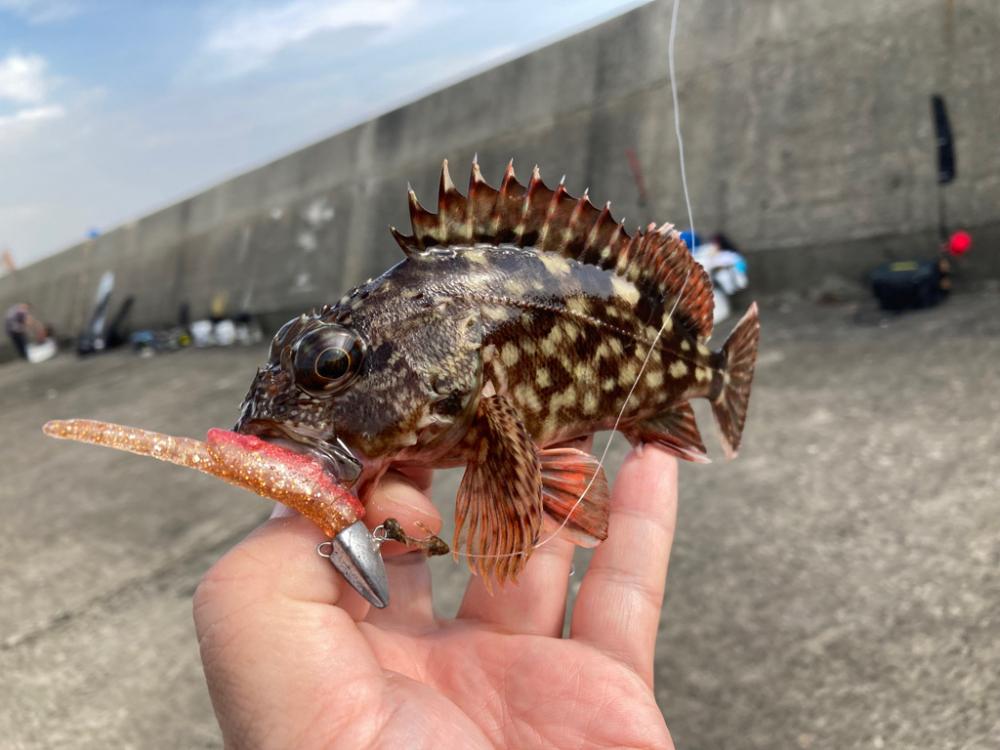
(27, 332)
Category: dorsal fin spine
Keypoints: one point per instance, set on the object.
(476, 198)
(402, 240)
(416, 212)
(573, 226)
(593, 238)
(534, 184)
(622, 259)
(448, 197)
(501, 200)
(654, 258)
(554, 201)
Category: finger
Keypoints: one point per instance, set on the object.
(267, 627)
(410, 601)
(535, 603)
(411, 606)
(618, 607)
(306, 577)
(418, 476)
(397, 496)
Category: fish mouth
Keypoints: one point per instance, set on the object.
(333, 455)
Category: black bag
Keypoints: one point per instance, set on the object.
(910, 284)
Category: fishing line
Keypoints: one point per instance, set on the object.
(666, 319)
(677, 119)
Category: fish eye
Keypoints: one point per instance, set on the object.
(326, 359)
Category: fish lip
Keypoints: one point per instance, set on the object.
(337, 459)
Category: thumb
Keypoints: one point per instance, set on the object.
(272, 645)
(277, 627)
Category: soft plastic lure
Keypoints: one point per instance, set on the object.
(269, 470)
(294, 479)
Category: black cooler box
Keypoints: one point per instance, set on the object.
(909, 284)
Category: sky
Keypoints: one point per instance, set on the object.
(112, 108)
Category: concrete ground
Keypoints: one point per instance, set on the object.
(836, 587)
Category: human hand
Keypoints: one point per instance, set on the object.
(295, 658)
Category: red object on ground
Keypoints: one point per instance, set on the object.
(959, 243)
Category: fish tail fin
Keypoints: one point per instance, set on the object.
(737, 358)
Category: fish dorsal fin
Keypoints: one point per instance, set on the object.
(655, 260)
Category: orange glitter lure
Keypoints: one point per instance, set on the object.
(271, 471)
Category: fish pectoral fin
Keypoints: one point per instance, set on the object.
(575, 495)
(675, 431)
(499, 504)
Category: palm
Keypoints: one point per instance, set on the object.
(495, 689)
(287, 669)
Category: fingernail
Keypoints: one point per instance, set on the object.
(401, 492)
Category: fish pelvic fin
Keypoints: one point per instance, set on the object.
(737, 358)
(674, 431)
(498, 511)
(575, 496)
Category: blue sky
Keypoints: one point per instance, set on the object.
(109, 109)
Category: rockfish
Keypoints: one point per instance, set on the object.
(520, 320)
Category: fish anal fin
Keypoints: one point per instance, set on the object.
(675, 431)
(575, 495)
(498, 511)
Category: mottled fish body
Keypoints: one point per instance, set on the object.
(520, 320)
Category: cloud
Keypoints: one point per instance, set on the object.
(22, 78)
(41, 11)
(24, 84)
(24, 120)
(250, 38)
(49, 112)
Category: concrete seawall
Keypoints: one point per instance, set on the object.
(807, 135)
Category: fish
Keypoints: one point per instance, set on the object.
(520, 320)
